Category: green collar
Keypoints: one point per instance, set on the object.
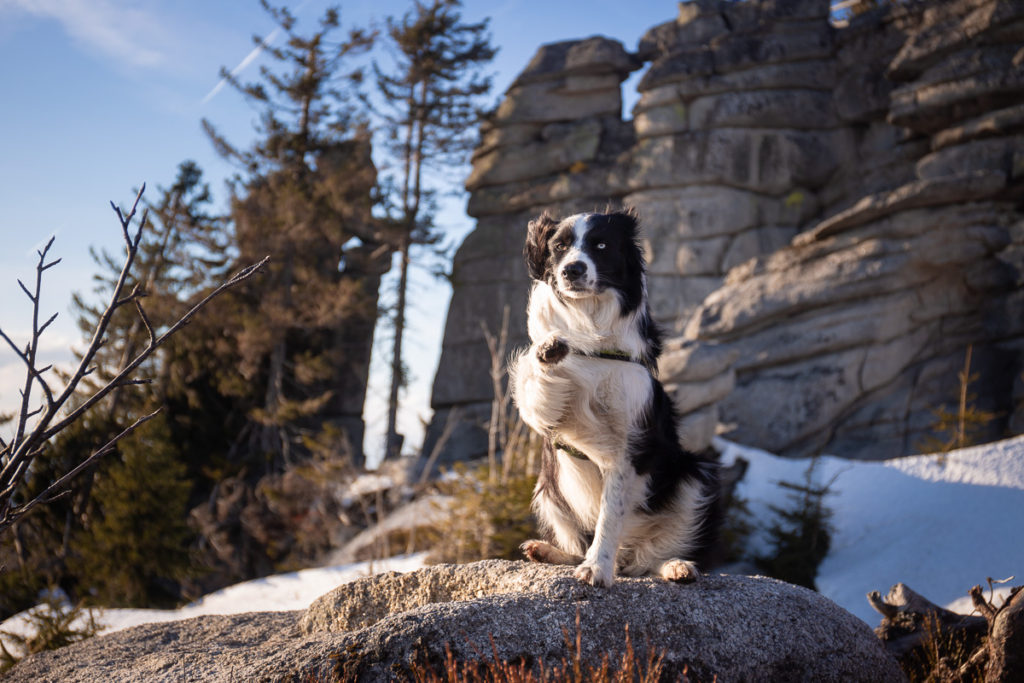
(609, 354)
(569, 450)
(616, 354)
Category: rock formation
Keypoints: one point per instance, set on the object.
(374, 629)
(832, 215)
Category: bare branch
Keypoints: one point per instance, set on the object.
(54, 490)
(134, 382)
(27, 443)
(50, 320)
(27, 293)
(240, 276)
(146, 322)
(126, 220)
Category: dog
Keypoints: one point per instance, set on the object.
(617, 492)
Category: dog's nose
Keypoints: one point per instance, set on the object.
(574, 271)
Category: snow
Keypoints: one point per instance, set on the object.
(276, 593)
(939, 524)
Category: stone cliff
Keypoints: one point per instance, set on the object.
(832, 215)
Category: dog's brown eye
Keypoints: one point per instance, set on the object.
(560, 247)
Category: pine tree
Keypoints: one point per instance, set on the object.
(801, 534)
(431, 107)
(137, 551)
(306, 199)
(179, 255)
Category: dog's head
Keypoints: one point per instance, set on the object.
(587, 254)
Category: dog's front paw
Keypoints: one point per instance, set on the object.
(594, 574)
(552, 350)
(680, 571)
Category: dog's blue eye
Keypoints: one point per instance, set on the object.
(600, 245)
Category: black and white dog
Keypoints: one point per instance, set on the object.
(617, 492)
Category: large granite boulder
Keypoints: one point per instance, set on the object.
(836, 205)
(727, 628)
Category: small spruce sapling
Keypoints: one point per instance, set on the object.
(801, 534)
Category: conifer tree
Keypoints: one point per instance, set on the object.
(179, 254)
(306, 198)
(431, 104)
(137, 551)
(801, 534)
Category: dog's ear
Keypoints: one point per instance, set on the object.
(536, 252)
(627, 220)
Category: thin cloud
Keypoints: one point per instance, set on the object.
(249, 58)
(115, 28)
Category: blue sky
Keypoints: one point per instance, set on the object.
(99, 96)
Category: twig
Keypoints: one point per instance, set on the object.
(449, 427)
(55, 489)
(17, 455)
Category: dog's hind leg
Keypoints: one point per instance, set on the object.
(540, 551)
(674, 569)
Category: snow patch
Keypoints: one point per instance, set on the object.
(938, 523)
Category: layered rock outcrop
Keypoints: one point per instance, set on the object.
(379, 628)
(832, 215)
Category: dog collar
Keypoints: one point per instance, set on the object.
(569, 450)
(612, 354)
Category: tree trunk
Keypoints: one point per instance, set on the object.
(938, 645)
(393, 445)
(1005, 646)
(410, 213)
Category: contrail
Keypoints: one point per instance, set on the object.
(251, 56)
(242, 64)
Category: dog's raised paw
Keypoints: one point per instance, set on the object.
(594, 575)
(552, 350)
(680, 571)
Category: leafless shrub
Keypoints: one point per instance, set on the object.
(56, 410)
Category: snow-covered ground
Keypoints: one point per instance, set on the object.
(277, 593)
(939, 524)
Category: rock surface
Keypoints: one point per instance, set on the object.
(838, 207)
(732, 627)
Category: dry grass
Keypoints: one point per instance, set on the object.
(631, 667)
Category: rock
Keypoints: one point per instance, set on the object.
(942, 190)
(698, 428)
(691, 396)
(568, 81)
(551, 101)
(987, 125)
(256, 646)
(830, 199)
(762, 160)
(752, 243)
(801, 109)
(1000, 156)
(787, 633)
(806, 75)
(567, 145)
(949, 27)
(688, 361)
(593, 56)
(377, 628)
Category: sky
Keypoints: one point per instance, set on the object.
(100, 96)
